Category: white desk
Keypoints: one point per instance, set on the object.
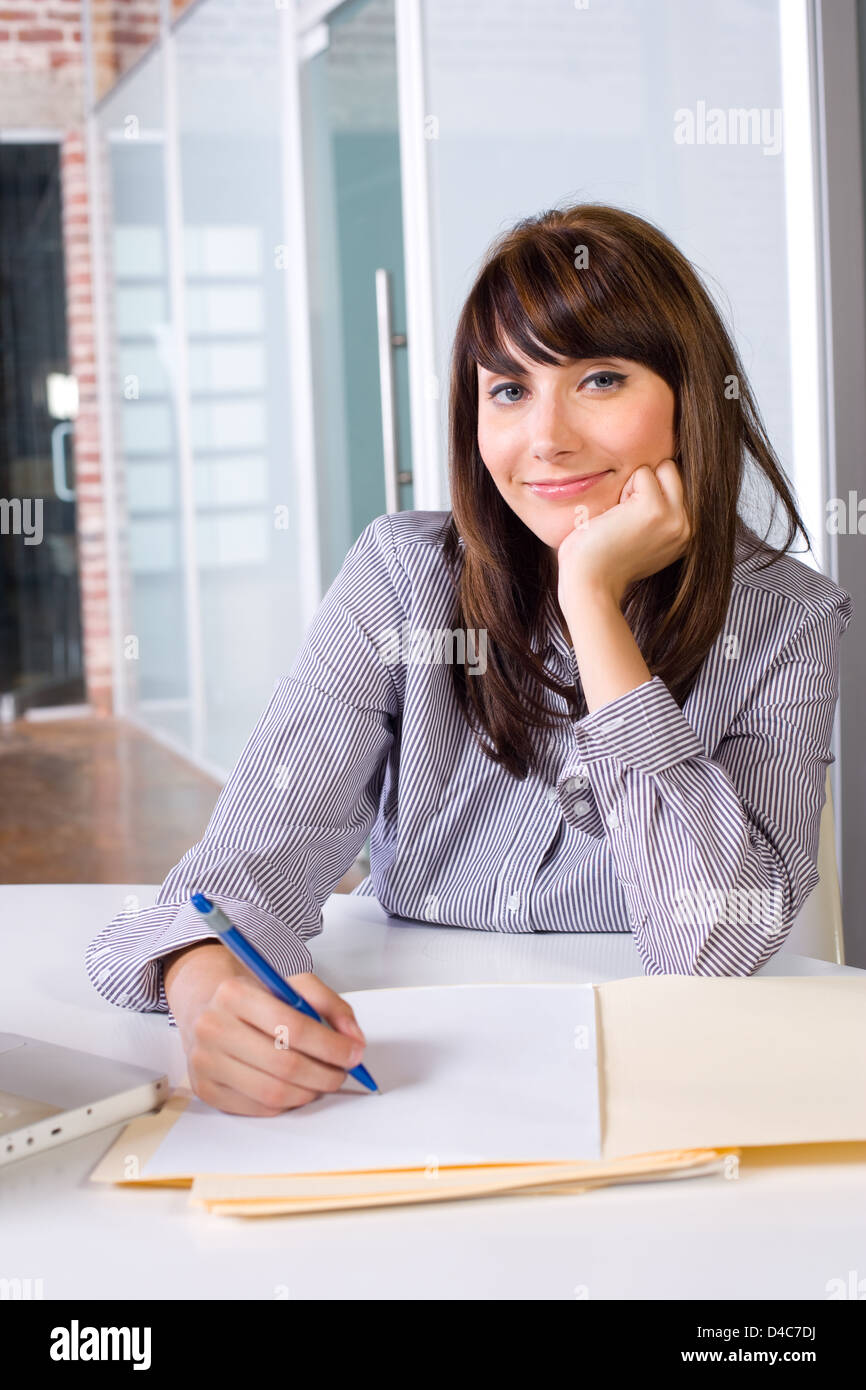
(776, 1232)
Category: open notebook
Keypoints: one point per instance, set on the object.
(535, 1087)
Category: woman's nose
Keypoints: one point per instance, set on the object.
(553, 430)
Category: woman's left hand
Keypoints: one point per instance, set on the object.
(646, 531)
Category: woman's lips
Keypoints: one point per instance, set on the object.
(566, 489)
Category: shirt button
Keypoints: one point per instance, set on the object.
(581, 807)
(576, 784)
(513, 902)
(612, 819)
(552, 796)
(431, 906)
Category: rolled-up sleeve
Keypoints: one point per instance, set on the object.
(715, 854)
(298, 804)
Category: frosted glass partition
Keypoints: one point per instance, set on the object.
(144, 419)
(354, 218)
(534, 104)
(235, 273)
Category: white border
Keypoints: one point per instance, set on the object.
(186, 465)
(809, 349)
(298, 329)
(417, 257)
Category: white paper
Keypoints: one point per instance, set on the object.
(468, 1074)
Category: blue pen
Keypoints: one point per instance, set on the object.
(240, 947)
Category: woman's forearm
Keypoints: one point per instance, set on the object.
(608, 658)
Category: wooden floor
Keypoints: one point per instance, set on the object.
(97, 801)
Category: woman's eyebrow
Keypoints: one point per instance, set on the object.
(513, 369)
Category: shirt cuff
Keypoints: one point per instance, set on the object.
(644, 729)
(124, 962)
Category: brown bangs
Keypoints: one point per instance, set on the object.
(535, 297)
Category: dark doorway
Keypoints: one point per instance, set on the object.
(40, 613)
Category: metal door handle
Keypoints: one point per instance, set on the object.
(388, 340)
(58, 461)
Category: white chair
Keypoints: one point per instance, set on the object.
(817, 928)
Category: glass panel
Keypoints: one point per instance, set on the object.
(549, 102)
(247, 526)
(40, 618)
(352, 168)
(135, 251)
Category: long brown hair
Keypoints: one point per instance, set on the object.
(640, 299)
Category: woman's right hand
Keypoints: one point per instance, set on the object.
(248, 1053)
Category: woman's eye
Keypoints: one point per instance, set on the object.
(602, 377)
(497, 393)
(510, 393)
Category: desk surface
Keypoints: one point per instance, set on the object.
(781, 1230)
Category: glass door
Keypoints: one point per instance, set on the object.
(135, 254)
(351, 149)
(40, 613)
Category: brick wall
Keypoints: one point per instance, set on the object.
(44, 37)
(40, 64)
(122, 29)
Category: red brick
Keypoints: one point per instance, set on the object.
(40, 35)
(130, 36)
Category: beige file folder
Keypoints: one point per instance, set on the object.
(690, 1072)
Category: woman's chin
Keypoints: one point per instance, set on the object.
(553, 531)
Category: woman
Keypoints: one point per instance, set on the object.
(589, 698)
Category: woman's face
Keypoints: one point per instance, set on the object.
(596, 420)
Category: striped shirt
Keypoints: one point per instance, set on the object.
(696, 829)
